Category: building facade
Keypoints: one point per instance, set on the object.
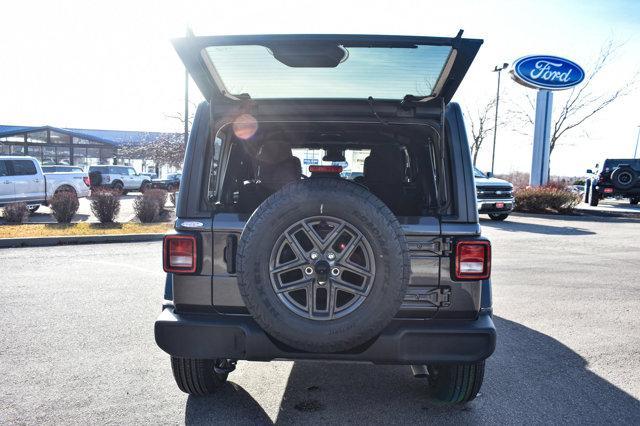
(81, 147)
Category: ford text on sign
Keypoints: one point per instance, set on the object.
(547, 72)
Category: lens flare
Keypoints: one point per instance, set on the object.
(245, 126)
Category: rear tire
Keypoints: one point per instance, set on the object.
(118, 187)
(634, 201)
(197, 376)
(595, 197)
(457, 383)
(33, 209)
(145, 185)
(498, 216)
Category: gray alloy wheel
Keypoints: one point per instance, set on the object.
(323, 265)
(322, 268)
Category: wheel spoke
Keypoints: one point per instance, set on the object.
(333, 236)
(313, 237)
(289, 266)
(355, 269)
(349, 288)
(296, 285)
(295, 246)
(351, 245)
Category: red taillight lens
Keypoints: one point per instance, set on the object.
(180, 254)
(325, 169)
(87, 180)
(608, 190)
(473, 260)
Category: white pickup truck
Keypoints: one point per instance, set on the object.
(22, 180)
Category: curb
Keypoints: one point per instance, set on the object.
(79, 239)
(607, 213)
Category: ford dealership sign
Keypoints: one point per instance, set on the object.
(547, 72)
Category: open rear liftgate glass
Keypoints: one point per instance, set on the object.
(376, 71)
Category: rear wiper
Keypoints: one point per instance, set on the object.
(373, 110)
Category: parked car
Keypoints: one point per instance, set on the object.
(22, 180)
(619, 178)
(267, 264)
(494, 196)
(61, 168)
(170, 183)
(150, 175)
(119, 178)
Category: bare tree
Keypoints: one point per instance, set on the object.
(582, 102)
(481, 127)
(166, 149)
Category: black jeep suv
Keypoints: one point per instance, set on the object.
(276, 255)
(618, 178)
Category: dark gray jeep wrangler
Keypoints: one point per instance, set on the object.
(328, 211)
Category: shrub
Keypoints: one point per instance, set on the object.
(159, 196)
(545, 199)
(172, 198)
(64, 205)
(105, 205)
(16, 212)
(146, 209)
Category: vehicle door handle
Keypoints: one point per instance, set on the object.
(37, 180)
(7, 182)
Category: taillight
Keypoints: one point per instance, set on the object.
(472, 260)
(87, 180)
(180, 254)
(608, 190)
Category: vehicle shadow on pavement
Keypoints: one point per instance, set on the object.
(535, 228)
(531, 378)
(230, 405)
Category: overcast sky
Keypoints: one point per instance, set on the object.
(110, 65)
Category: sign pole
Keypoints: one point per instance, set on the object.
(541, 139)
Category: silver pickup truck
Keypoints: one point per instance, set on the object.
(22, 180)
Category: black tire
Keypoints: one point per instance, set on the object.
(624, 177)
(145, 185)
(325, 198)
(171, 188)
(95, 178)
(455, 384)
(33, 209)
(634, 201)
(498, 216)
(197, 376)
(595, 197)
(118, 187)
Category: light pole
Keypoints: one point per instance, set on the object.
(635, 151)
(497, 69)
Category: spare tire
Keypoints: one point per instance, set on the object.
(323, 265)
(623, 177)
(95, 178)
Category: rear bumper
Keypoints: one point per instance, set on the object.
(401, 342)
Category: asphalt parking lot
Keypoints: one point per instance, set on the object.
(77, 342)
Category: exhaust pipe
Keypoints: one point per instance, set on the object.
(420, 371)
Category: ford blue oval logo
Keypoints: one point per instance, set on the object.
(547, 72)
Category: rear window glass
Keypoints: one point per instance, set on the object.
(352, 167)
(379, 72)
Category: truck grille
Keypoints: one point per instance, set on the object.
(494, 192)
